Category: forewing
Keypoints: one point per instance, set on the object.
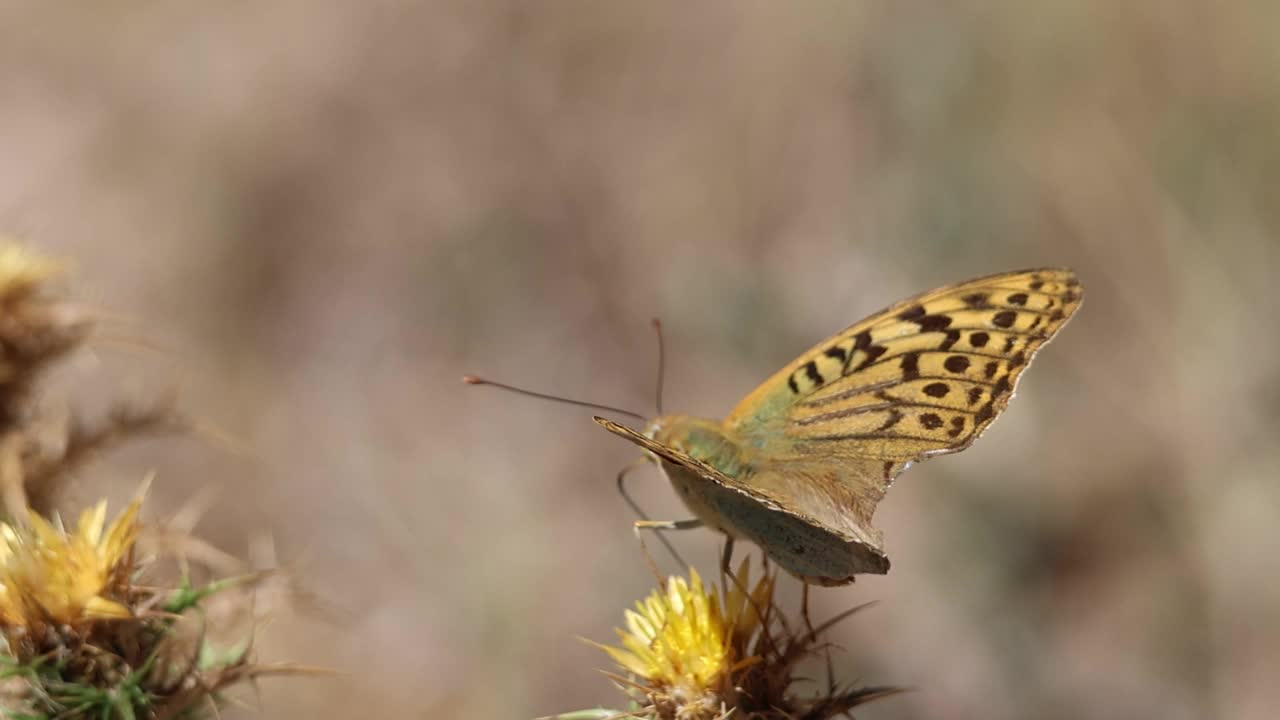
(922, 377)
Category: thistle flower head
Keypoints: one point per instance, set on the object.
(693, 653)
(78, 638)
(685, 646)
(52, 577)
(22, 270)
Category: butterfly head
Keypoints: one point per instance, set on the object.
(653, 429)
(679, 431)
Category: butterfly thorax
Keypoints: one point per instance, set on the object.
(702, 439)
(706, 441)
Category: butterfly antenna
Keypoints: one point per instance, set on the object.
(662, 360)
(473, 380)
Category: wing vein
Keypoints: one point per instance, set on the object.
(867, 389)
(850, 412)
(874, 436)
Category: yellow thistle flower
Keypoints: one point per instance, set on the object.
(22, 270)
(49, 576)
(696, 654)
(686, 642)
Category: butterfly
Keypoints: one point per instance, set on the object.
(800, 464)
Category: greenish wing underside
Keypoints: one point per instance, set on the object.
(781, 491)
(925, 376)
(797, 496)
(673, 455)
(815, 492)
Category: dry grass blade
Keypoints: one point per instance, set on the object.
(181, 703)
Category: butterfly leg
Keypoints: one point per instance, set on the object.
(660, 525)
(635, 507)
(804, 606)
(808, 624)
(726, 560)
(689, 524)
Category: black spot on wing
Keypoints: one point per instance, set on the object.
(933, 323)
(791, 383)
(1005, 318)
(953, 337)
(956, 363)
(910, 366)
(979, 339)
(930, 421)
(895, 416)
(1002, 387)
(985, 413)
(957, 426)
(836, 352)
(975, 394)
(937, 389)
(873, 353)
(1018, 299)
(990, 370)
(912, 313)
(811, 370)
(977, 300)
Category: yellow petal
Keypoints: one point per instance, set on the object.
(123, 532)
(639, 625)
(100, 608)
(44, 532)
(628, 661)
(91, 519)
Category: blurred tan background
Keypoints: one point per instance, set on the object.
(325, 213)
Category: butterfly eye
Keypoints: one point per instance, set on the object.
(652, 430)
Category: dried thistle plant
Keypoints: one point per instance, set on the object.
(36, 330)
(80, 635)
(82, 638)
(692, 653)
